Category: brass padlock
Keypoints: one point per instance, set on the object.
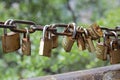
(45, 43)
(80, 40)
(106, 42)
(95, 31)
(101, 50)
(89, 43)
(54, 38)
(26, 43)
(10, 41)
(114, 50)
(114, 53)
(68, 41)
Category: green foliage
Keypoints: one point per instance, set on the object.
(14, 67)
(111, 18)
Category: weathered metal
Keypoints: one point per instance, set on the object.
(102, 73)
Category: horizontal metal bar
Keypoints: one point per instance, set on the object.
(40, 28)
(90, 74)
(108, 29)
(23, 22)
(1, 22)
(60, 25)
(6, 26)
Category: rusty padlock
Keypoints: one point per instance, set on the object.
(26, 43)
(118, 27)
(101, 50)
(68, 41)
(45, 43)
(80, 40)
(95, 31)
(54, 38)
(89, 43)
(114, 50)
(106, 41)
(10, 41)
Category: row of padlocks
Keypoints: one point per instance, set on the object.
(107, 40)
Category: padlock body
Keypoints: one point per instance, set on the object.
(67, 43)
(90, 46)
(26, 47)
(95, 31)
(96, 28)
(80, 43)
(10, 42)
(92, 34)
(101, 51)
(45, 47)
(54, 41)
(115, 56)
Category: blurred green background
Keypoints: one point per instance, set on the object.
(82, 12)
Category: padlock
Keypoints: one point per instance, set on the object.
(101, 50)
(80, 40)
(89, 43)
(26, 43)
(118, 27)
(68, 41)
(45, 43)
(10, 41)
(92, 34)
(119, 43)
(96, 28)
(114, 50)
(114, 53)
(54, 38)
(95, 31)
(106, 42)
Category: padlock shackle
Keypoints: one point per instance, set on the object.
(73, 26)
(111, 44)
(26, 35)
(104, 38)
(115, 35)
(116, 39)
(44, 30)
(80, 27)
(74, 31)
(79, 34)
(7, 22)
(86, 32)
